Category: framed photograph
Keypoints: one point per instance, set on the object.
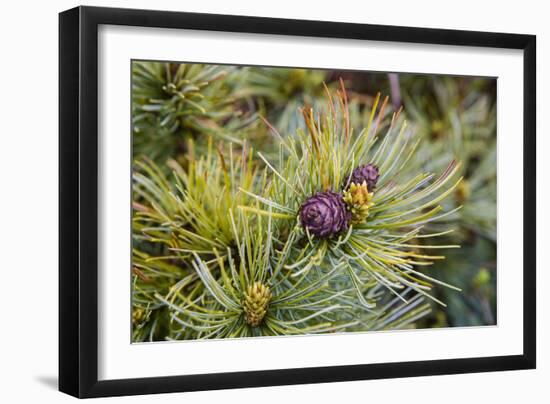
(252, 201)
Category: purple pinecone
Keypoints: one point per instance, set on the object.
(324, 214)
(367, 173)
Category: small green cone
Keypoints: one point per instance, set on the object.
(358, 200)
(255, 302)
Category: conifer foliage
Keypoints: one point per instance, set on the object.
(244, 229)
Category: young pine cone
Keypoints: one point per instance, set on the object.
(367, 173)
(359, 200)
(255, 303)
(324, 214)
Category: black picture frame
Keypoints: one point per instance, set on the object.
(78, 201)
